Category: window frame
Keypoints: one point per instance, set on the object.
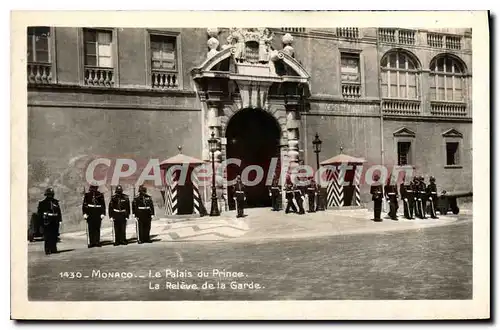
(359, 54)
(405, 135)
(97, 44)
(178, 51)
(434, 75)
(453, 136)
(52, 53)
(114, 55)
(388, 70)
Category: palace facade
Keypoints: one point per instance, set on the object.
(398, 97)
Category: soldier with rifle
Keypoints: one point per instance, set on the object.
(144, 210)
(422, 195)
(432, 195)
(299, 198)
(50, 211)
(391, 193)
(274, 193)
(94, 210)
(376, 192)
(289, 198)
(119, 212)
(418, 200)
(312, 193)
(239, 196)
(408, 197)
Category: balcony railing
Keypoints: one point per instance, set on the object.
(351, 90)
(440, 40)
(453, 42)
(161, 79)
(39, 73)
(389, 35)
(448, 109)
(349, 33)
(401, 107)
(294, 29)
(95, 76)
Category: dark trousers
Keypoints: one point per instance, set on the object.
(94, 230)
(239, 207)
(408, 206)
(144, 227)
(393, 208)
(274, 202)
(424, 205)
(290, 205)
(312, 199)
(50, 237)
(300, 203)
(433, 204)
(120, 225)
(377, 209)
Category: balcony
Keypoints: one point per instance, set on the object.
(398, 36)
(161, 79)
(351, 90)
(444, 41)
(448, 109)
(349, 33)
(400, 107)
(101, 77)
(294, 30)
(39, 73)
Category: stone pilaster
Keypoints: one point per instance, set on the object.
(292, 127)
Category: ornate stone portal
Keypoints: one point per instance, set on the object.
(247, 72)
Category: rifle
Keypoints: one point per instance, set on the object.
(112, 222)
(135, 218)
(86, 222)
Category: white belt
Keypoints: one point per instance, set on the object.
(433, 192)
(409, 191)
(51, 214)
(118, 210)
(92, 205)
(391, 193)
(143, 208)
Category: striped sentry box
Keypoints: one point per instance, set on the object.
(357, 184)
(335, 193)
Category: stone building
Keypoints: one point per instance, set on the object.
(397, 97)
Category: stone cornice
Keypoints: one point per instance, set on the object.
(114, 90)
(116, 106)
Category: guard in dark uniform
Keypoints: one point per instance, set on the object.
(274, 193)
(432, 195)
(144, 210)
(312, 193)
(94, 210)
(239, 196)
(408, 197)
(391, 193)
(50, 212)
(299, 199)
(376, 192)
(119, 212)
(289, 198)
(416, 197)
(422, 194)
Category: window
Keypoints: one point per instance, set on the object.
(98, 48)
(452, 153)
(163, 53)
(400, 76)
(447, 80)
(349, 68)
(38, 44)
(404, 153)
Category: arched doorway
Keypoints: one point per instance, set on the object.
(253, 136)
